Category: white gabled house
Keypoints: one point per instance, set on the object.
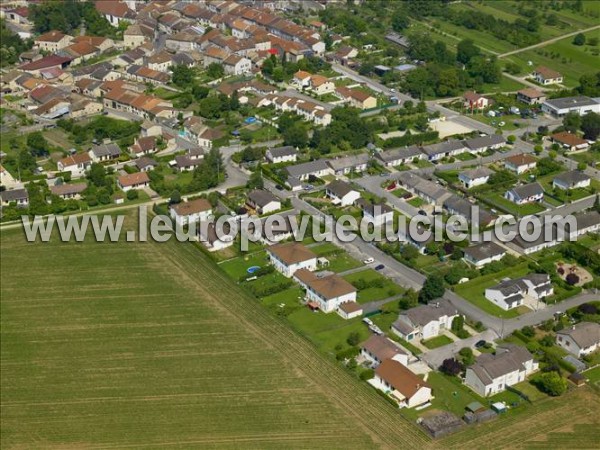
(581, 339)
(326, 293)
(475, 177)
(406, 388)
(282, 154)
(571, 180)
(289, 257)
(138, 180)
(263, 201)
(509, 294)
(76, 164)
(425, 321)
(492, 373)
(377, 214)
(341, 193)
(377, 349)
(527, 193)
(191, 211)
(484, 253)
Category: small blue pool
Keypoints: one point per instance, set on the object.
(252, 269)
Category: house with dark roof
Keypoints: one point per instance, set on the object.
(425, 321)
(526, 193)
(400, 384)
(571, 180)
(145, 164)
(482, 143)
(376, 213)
(560, 107)
(327, 293)
(289, 257)
(492, 373)
(581, 339)
(282, 154)
(343, 166)
(481, 254)
(303, 171)
(377, 349)
(475, 177)
(588, 222)
(341, 193)
(105, 152)
(472, 212)
(263, 201)
(214, 240)
(20, 197)
(511, 293)
(445, 149)
(68, 191)
(429, 191)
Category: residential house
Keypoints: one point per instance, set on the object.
(425, 321)
(303, 171)
(321, 85)
(376, 213)
(290, 257)
(237, 65)
(429, 191)
(341, 193)
(588, 222)
(492, 373)
(356, 98)
(570, 141)
(531, 96)
(511, 293)
(406, 388)
(349, 310)
(520, 163)
(77, 164)
(301, 79)
(20, 197)
(138, 180)
(475, 177)
(214, 241)
(68, 191)
(446, 149)
(46, 62)
(571, 180)
(526, 193)
(399, 156)
(481, 254)
(326, 293)
(115, 11)
(137, 34)
(263, 201)
(356, 163)
(377, 349)
(282, 154)
(560, 107)
(105, 152)
(52, 41)
(143, 146)
(191, 211)
(580, 339)
(161, 61)
(145, 164)
(474, 214)
(184, 163)
(472, 100)
(483, 143)
(546, 76)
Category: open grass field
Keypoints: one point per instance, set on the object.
(567, 422)
(152, 346)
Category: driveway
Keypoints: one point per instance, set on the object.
(434, 358)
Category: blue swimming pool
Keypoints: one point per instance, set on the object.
(252, 269)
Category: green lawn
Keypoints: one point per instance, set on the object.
(388, 289)
(417, 202)
(593, 375)
(438, 341)
(474, 290)
(407, 345)
(512, 208)
(342, 262)
(237, 268)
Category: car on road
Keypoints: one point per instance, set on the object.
(368, 260)
(422, 212)
(379, 267)
(480, 344)
(279, 187)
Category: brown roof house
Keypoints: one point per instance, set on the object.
(289, 257)
(570, 141)
(520, 163)
(77, 164)
(68, 191)
(191, 211)
(136, 180)
(377, 349)
(328, 292)
(406, 388)
(581, 339)
(531, 96)
(263, 201)
(545, 76)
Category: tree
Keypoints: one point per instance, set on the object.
(215, 70)
(458, 323)
(511, 139)
(432, 288)
(400, 21)
(200, 92)
(547, 341)
(538, 149)
(182, 76)
(572, 121)
(37, 144)
(353, 338)
(410, 299)
(175, 197)
(579, 39)
(572, 279)
(552, 383)
(295, 136)
(409, 252)
(451, 367)
(132, 194)
(255, 181)
(466, 356)
(590, 125)
(528, 331)
(466, 50)
(581, 166)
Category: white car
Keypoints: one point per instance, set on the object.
(368, 261)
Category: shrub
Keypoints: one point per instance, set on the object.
(347, 354)
(528, 331)
(561, 270)
(451, 367)
(572, 279)
(353, 338)
(132, 194)
(367, 374)
(552, 383)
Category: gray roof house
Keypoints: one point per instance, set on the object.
(355, 163)
(581, 339)
(441, 150)
(571, 180)
(483, 143)
(18, 196)
(282, 154)
(302, 171)
(426, 189)
(341, 193)
(105, 152)
(398, 156)
(425, 321)
(484, 253)
(526, 193)
(475, 177)
(509, 293)
(456, 205)
(263, 201)
(491, 373)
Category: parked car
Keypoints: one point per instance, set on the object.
(279, 187)
(422, 212)
(480, 344)
(368, 260)
(380, 267)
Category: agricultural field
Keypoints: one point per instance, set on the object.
(151, 345)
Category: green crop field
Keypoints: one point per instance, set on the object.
(150, 345)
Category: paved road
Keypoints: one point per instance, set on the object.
(549, 41)
(434, 358)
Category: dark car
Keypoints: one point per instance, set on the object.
(380, 267)
(279, 187)
(480, 344)
(422, 212)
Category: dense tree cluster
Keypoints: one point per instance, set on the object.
(279, 69)
(11, 45)
(346, 131)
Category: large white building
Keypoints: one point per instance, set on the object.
(406, 388)
(289, 257)
(581, 339)
(193, 211)
(425, 321)
(510, 294)
(559, 107)
(326, 293)
(491, 373)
